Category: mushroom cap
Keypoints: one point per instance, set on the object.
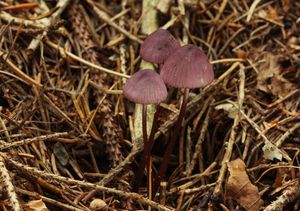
(145, 87)
(158, 46)
(187, 67)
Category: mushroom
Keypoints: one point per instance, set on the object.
(158, 46)
(145, 87)
(188, 67)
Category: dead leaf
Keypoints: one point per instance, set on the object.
(228, 108)
(266, 71)
(35, 205)
(280, 86)
(239, 187)
(269, 78)
(271, 152)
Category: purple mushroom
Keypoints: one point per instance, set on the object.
(188, 67)
(145, 87)
(158, 46)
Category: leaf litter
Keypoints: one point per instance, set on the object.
(68, 138)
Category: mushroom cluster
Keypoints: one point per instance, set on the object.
(184, 67)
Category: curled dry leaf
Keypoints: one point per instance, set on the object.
(35, 205)
(239, 187)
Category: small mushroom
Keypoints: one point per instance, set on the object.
(158, 46)
(188, 67)
(145, 87)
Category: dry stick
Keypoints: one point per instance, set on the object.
(220, 11)
(227, 60)
(103, 16)
(5, 179)
(9, 18)
(115, 17)
(122, 50)
(58, 110)
(280, 100)
(31, 140)
(114, 172)
(256, 127)
(229, 40)
(188, 147)
(6, 133)
(231, 140)
(61, 5)
(21, 6)
(199, 142)
(205, 105)
(289, 194)
(64, 52)
(207, 171)
(252, 9)
(83, 183)
(13, 76)
(18, 72)
(198, 189)
(287, 134)
(272, 167)
(49, 200)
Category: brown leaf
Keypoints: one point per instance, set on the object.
(35, 205)
(280, 86)
(266, 71)
(269, 78)
(239, 187)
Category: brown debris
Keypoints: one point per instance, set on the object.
(111, 131)
(66, 132)
(240, 188)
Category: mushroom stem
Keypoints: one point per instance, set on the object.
(144, 123)
(171, 144)
(147, 150)
(145, 137)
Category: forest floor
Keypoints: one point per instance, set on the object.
(69, 140)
